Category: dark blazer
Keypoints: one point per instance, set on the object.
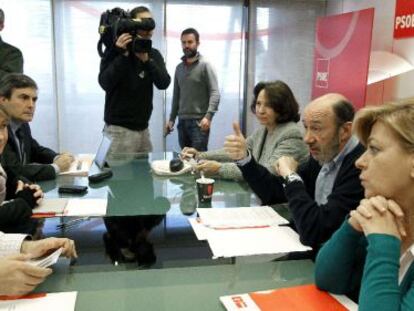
(37, 158)
(11, 59)
(15, 212)
(314, 223)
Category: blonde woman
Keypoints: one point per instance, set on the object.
(372, 254)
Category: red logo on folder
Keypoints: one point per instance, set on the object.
(239, 302)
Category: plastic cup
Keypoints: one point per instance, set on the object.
(205, 188)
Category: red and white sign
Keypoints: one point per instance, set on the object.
(342, 51)
(404, 19)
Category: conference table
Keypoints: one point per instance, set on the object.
(172, 270)
(134, 190)
(189, 288)
(144, 206)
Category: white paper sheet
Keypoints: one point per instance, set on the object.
(254, 241)
(81, 165)
(240, 217)
(86, 207)
(200, 230)
(56, 206)
(64, 301)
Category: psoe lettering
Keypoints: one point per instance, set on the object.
(404, 21)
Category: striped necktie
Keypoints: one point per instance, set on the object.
(3, 178)
(19, 138)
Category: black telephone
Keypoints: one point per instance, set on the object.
(72, 189)
(106, 173)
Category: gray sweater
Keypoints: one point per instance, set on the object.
(286, 139)
(196, 94)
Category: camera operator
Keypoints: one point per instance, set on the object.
(127, 75)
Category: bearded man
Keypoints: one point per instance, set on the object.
(196, 95)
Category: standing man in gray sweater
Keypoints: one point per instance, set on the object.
(196, 95)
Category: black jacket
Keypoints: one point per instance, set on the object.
(11, 59)
(38, 158)
(314, 223)
(14, 212)
(128, 84)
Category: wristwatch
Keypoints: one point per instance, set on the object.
(291, 178)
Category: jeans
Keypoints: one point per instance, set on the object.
(191, 135)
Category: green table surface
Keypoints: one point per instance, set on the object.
(135, 190)
(190, 288)
(161, 205)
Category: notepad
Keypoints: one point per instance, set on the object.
(80, 166)
(298, 298)
(70, 207)
(246, 231)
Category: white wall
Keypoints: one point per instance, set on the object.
(282, 41)
(382, 39)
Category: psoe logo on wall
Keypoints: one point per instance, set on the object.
(322, 73)
(404, 19)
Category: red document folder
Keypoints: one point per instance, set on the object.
(303, 298)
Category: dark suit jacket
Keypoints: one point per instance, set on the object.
(37, 158)
(15, 212)
(11, 59)
(314, 223)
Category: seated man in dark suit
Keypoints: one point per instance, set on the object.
(17, 199)
(23, 154)
(322, 191)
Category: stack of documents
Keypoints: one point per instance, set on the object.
(240, 217)
(70, 207)
(64, 301)
(303, 298)
(48, 260)
(245, 231)
(80, 166)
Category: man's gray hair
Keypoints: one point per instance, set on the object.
(1, 16)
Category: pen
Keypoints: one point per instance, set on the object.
(226, 228)
(246, 227)
(28, 296)
(43, 215)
